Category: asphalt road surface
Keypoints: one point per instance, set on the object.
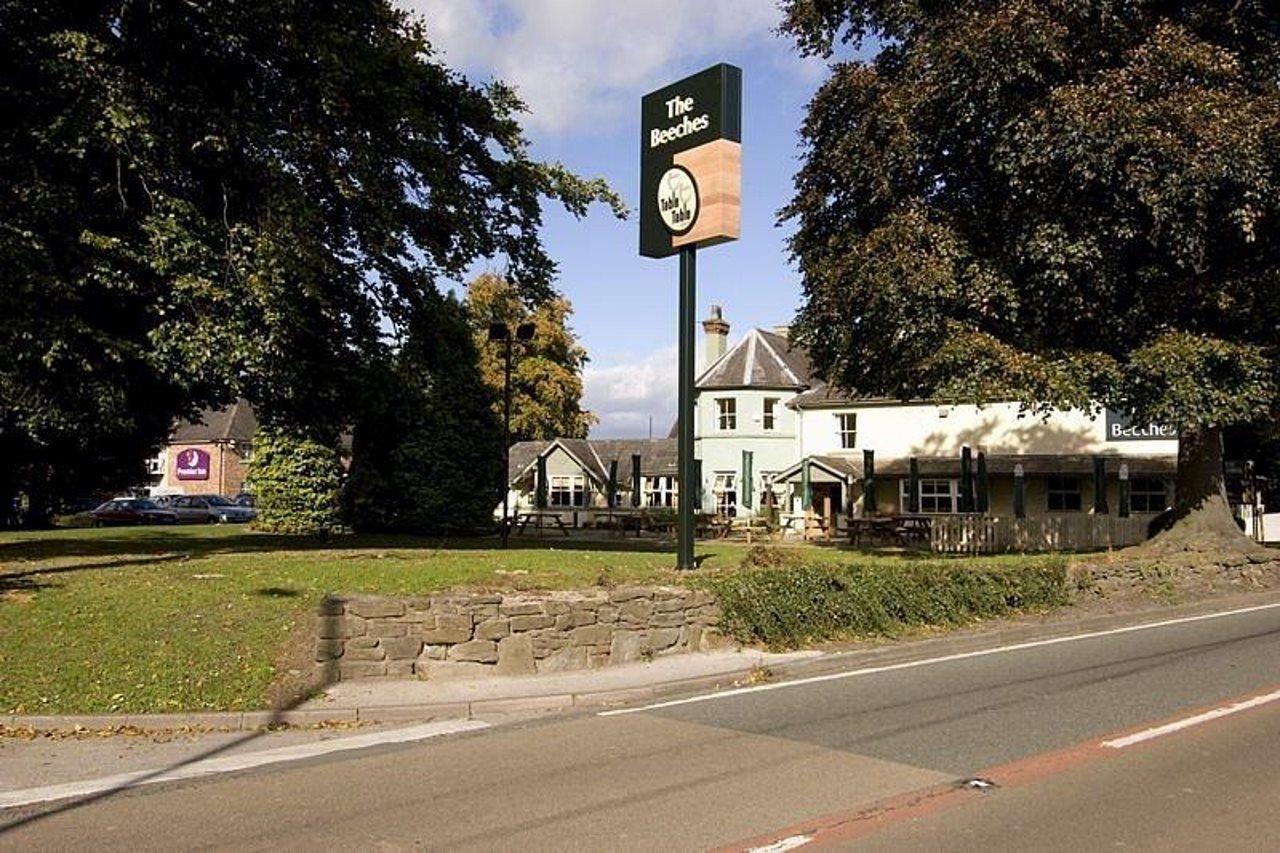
(1165, 737)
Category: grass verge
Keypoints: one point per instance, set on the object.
(210, 618)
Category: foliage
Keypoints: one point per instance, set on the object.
(1090, 218)
(546, 373)
(428, 449)
(295, 483)
(199, 200)
(793, 604)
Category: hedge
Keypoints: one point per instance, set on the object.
(787, 606)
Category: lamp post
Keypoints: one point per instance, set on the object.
(502, 333)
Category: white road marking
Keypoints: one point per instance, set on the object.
(791, 842)
(872, 670)
(231, 763)
(1188, 722)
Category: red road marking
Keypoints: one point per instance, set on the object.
(866, 820)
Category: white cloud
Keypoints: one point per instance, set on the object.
(625, 396)
(577, 61)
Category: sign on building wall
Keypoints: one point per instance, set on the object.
(191, 464)
(691, 162)
(1120, 427)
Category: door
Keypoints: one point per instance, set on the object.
(827, 504)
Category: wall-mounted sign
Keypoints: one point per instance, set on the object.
(1120, 427)
(191, 464)
(691, 162)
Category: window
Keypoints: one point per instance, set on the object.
(1147, 494)
(568, 490)
(726, 493)
(727, 413)
(937, 497)
(659, 491)
(769, 421)
(848, 430)
(1064, 494)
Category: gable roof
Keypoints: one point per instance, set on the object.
(236, 422)
(657, 456)
(760, 360)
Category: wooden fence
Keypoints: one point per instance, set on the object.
(979, 534)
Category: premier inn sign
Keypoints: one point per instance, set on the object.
(691, 162)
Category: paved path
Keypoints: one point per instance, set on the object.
(789, 762)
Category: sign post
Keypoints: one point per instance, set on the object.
(690, 196)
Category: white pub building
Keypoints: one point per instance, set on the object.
(773, 439)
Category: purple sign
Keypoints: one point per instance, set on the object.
(192, 464)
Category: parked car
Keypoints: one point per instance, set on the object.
(131, 511)
(244, 499)
(210, 509)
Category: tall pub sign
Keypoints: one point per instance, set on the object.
(690, 196)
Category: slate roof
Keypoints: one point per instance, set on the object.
(822, 394)
(760, 360)
(657, 456)
(998, 465)
(236, 422)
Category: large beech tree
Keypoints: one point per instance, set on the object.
(202, 198)
(1067, 202)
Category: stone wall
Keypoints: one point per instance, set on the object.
(511, 634)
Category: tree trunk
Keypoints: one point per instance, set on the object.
(1201, 520)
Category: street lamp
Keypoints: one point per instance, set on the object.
(502, 332)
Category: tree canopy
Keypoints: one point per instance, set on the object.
(205, 199)
(1069, 202)
(546, 375)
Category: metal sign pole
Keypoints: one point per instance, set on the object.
(688, 475)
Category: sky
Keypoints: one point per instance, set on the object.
(582, 66)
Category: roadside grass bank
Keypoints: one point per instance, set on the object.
(792, 602)
(140, 620)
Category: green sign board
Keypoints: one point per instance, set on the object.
(691, 162)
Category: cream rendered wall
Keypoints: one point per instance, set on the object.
(721, 450)
(899, 430)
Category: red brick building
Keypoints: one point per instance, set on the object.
(207, 455)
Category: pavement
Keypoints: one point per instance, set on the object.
(871, 748)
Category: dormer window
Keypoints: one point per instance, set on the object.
(727, 413)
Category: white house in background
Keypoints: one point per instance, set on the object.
(760, 397)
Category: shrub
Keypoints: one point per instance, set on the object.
(787, 606)
(295, 483)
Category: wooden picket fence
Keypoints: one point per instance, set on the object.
(980, 534)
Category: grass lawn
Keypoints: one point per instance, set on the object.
(202, 617)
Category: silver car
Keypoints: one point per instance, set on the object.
(209, 509)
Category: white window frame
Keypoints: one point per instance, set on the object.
(952, 495)
(725, 491)
(574, 485)
(769, 415)
(1050, 492)
(848, 437)
(659, 491)
(726, 414)
(1147, 494)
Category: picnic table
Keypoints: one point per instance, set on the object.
(523, 519)
(889, 529)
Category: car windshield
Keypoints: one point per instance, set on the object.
(218, 500)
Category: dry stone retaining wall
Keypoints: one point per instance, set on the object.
(512, 634)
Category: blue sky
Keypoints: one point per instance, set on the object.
(582, 66)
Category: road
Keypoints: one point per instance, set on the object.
(1067, 733)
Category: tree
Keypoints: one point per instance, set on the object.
(546, 375)
(1067, 203)
(296, 483)
(201, 200)
(428, 449)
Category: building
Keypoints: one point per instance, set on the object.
(207, 455)
(772, 437)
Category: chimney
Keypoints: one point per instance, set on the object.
(717, 331)
(782, 331)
